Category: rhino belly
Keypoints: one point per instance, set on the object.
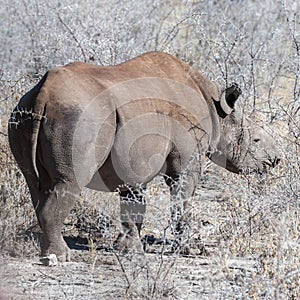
(105, 179)
(138, 161)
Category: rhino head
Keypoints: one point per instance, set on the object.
(244, 146)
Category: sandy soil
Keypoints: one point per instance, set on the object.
(103, 274)
(106, 276)
(99, 273)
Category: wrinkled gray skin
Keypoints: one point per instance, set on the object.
(116, 128)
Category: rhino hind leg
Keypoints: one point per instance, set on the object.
(133, 208)
(52, 208)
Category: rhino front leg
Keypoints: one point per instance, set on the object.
(53, 207)
(182, 187)
(133, 208)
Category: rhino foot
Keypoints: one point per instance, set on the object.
(128, 243)
(60, 251)
(192, 248)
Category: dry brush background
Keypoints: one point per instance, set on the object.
(248, 229)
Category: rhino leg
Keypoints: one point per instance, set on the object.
(182, 187)
(52, 207)
(133, 208)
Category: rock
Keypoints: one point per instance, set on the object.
(50, 260)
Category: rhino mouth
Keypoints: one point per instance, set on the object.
(262, 169)
(248, 170)
(233, 168)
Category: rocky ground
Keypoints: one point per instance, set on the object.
(104, 277)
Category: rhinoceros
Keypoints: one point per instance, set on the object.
(114, 128)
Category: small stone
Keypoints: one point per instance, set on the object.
(49, 260)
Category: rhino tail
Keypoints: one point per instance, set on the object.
(38, 116)
(34, 140)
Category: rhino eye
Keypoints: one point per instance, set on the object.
(256, 140)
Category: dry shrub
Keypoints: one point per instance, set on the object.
(255, 44)
(16, 213)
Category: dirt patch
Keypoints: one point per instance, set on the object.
(250, 253)
(107, 276)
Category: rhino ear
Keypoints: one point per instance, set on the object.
(231, 94)
(228, 98)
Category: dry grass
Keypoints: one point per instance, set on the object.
(249, 228)
(16, 213)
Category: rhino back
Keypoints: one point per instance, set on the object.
(137, 111)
